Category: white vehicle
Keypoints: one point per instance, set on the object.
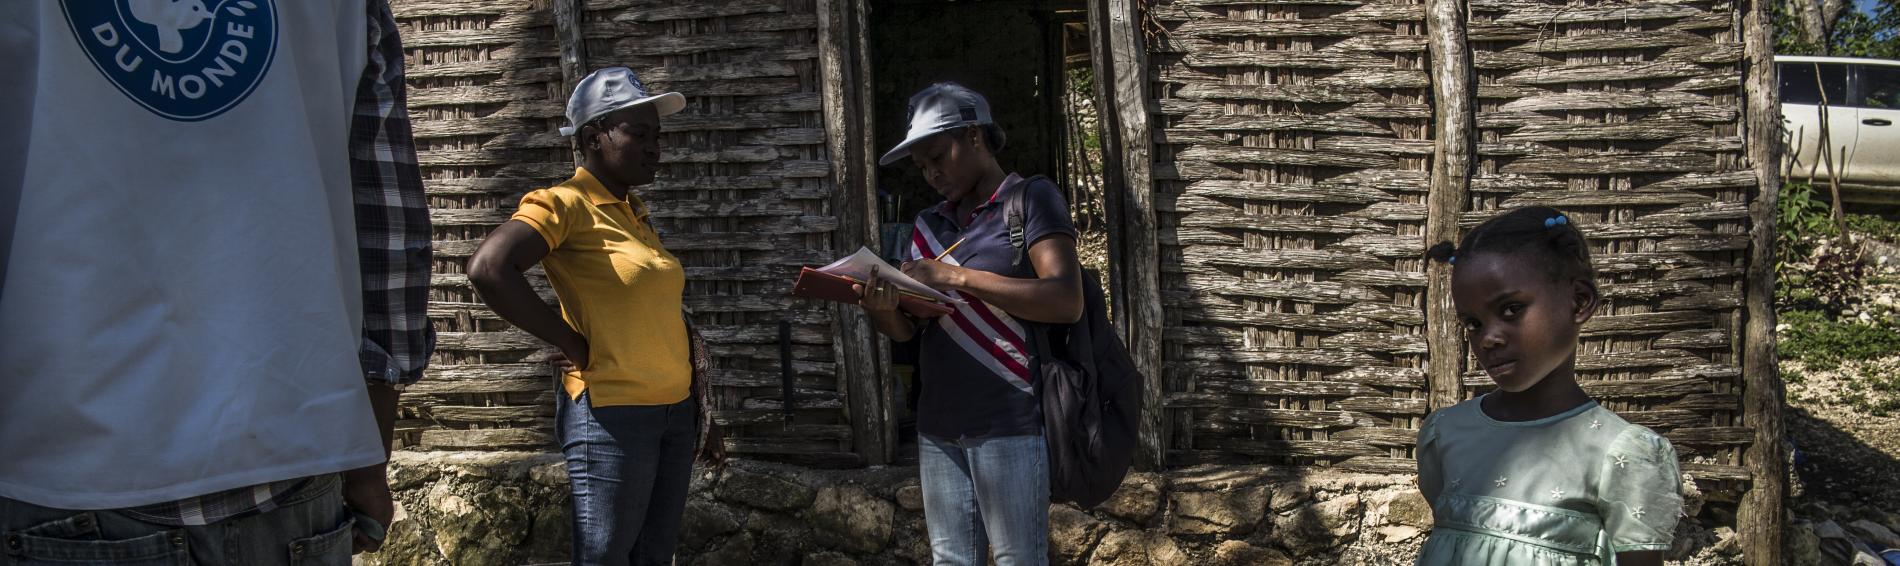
(1863, 106)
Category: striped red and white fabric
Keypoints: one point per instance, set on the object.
(987, 333)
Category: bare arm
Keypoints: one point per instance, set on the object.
(366, 489)
(893, 323)
(393, 233)
(1054, 296)
(496, 271)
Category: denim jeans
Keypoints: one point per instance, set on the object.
(311, 526)
(986, 498)
(629, 467)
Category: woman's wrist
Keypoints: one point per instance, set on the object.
(960, 278)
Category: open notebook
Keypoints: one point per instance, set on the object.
(833, 283)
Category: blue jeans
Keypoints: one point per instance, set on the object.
(629, 467)
(310, 526)
(984, 498)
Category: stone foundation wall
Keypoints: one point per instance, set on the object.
(488, 508)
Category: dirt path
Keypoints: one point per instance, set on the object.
(1843, 456)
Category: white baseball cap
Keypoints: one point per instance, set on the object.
(940, 108)
(610, 89)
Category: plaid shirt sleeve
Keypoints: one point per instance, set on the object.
(392, 214)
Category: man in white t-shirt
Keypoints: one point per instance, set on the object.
(214, 250)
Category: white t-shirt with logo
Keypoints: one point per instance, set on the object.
(181, 305)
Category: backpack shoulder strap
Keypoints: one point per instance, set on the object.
(1013, 210)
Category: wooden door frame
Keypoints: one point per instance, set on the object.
(1134, 260)
(1121, 72)
(863, 355)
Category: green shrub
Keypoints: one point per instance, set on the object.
(1823, 343)
(1831, 278)
(1814, 269)
(1803, 211)
(1822, 292)
(1874, 226)
(1805, 214)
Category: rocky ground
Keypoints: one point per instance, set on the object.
(492, 508)
(1844, 499)
(510, 508)
(1843, 454)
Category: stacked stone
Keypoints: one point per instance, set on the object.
(511, 508)
(1840, 534)
(763, 514)
(502, 508)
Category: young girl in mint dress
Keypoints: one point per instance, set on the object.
(1536, 472)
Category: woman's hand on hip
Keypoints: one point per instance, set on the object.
(572, 356)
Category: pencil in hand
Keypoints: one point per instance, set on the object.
(945, 255)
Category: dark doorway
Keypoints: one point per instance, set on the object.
(1003, 49)
(1031, 59)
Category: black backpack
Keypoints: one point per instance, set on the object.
(1089, 389)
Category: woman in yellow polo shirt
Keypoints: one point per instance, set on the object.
(626, 422)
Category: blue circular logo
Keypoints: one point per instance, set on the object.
(187, 60)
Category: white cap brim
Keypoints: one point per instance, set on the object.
(903, 149)
(666, 104)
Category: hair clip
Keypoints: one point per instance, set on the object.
(1555, 221)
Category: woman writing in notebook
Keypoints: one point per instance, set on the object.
(981, 453)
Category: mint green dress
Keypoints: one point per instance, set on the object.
(1571, 489)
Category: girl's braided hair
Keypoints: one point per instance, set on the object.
(1541, 235)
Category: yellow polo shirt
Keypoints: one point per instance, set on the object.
(618, 287)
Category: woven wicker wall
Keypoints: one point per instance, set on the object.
(1291, 169)
(1292, 158)
(743, 199)
(1628, 117)
(1292, 161)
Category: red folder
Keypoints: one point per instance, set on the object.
(815, 284)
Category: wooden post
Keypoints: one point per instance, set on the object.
(860, 350)
(1453, 125)
(567, 26)
(866, 154)
(1114, 187)
(567, 32)
(1141, 263)
(1760, 518)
